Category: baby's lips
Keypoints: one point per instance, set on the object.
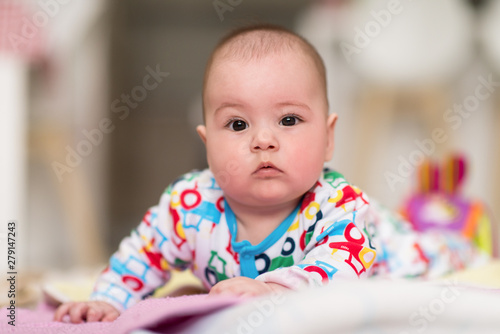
(267, 164)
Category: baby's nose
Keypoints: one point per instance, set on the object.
(265, 139)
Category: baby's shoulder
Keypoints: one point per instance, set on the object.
(199, 183)
(332, 182)
(332, 189)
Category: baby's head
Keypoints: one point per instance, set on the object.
(267, 130)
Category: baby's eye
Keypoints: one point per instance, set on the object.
(289, 120)
(238, 125)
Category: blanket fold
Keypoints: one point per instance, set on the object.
(163, 315)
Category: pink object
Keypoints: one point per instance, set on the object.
(20, 32)
(164, 315)
(435, 210)
(438, 203)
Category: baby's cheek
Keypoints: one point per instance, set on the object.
(227, 168)
(306, 160)
(307, 151)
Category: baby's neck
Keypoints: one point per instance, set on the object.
(256, 223)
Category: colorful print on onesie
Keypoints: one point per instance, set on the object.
(332, 234)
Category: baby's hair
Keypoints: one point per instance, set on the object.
(256, 41)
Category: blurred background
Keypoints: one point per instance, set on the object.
(99, 101)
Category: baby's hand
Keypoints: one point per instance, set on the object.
(86, 311)
(245, 287)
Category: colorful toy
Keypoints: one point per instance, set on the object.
(439, 204)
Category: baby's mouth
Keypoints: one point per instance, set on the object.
(267, 169)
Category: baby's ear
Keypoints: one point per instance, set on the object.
(202, 132)
(330, 126)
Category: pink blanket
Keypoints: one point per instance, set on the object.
(166, 315)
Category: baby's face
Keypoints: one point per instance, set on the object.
(267, 131)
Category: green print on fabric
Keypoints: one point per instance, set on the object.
(331, 176)
(308, 237)
(212, 264)
(181, 263)
(191, 176)
(280, 262)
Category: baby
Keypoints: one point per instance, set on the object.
(266, 215)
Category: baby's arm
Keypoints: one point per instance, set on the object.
(86, 311)
(145, 258)
(113, 291)
(141, 265)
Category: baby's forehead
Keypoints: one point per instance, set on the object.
(256, 45)
(253, 48)
(232, 62)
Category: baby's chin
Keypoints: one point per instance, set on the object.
(269, 198)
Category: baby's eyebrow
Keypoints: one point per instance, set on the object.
(294, 104)
(228, 105)
(279, 105)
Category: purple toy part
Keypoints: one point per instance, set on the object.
(438, 211)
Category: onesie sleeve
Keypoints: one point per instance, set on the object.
(338, 242)
(144, 259)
